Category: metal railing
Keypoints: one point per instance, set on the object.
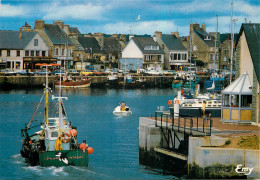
(193, 125)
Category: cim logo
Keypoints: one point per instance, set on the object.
(243, 170)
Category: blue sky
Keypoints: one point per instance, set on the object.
(119, 16)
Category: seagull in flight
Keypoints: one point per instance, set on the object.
(138, 18)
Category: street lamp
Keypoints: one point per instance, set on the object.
(231, 55)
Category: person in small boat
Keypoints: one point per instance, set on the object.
(123, 106)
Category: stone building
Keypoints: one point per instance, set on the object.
(203, 45)
(61, 47)
(176, 55)
(247, 60)
(225, 49)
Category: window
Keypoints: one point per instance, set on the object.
(184, 56)
(175, 57)
(194, 48)
(8, 52)
(0, 52)
(225, 58)
(211, 56)
(152, 47)
(37, 53)
(43, 53)
(32, 53)
(26, 53)
(17, 65)
(207, 38)
(17, 53)
(35, 42)
(179, 56)
(211, 49)
(163, 46)
(56, 52)
(63, 52)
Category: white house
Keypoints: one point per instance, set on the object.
(144, 53)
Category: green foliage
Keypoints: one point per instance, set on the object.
(199, 63)
(227, 142)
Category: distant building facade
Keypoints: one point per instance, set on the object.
(176, 55)
(202, 46)
(22, 49)
(143, 53)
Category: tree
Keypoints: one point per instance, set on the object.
(199, 63)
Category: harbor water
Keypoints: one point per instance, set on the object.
(114, 139)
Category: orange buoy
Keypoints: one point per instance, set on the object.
(83, 146)
(176, 102)
(170, 102)
(73, 132)
(90, 150)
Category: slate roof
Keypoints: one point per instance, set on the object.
(75, 30)
(172, 42)
(202, 34)
(226, 36)
(143, 42)
(56, 34)
(90, 42)
(10, 39)
(252, 33)
(111, 44)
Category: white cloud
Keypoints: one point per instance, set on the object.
(7, 10)
(142, 27)
(76, 11)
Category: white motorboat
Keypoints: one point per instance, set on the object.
(118, 111)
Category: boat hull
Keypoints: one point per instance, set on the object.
(73, 84)
(63, 158)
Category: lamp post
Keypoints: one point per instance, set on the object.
(231, 55)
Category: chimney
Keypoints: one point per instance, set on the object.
(60, 23)
(39, 24)
(26, 27)
(158, 34)
(176, 34)
(66, 29)
(203, 27)
(114, 35)
(20, 33)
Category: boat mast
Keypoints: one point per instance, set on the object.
(190, 58)
(47, 98)
(215, 54)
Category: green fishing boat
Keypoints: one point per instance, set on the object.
(53, 141)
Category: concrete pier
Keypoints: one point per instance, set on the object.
(205, 158)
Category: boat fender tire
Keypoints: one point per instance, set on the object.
(170, 102)
(64, 139)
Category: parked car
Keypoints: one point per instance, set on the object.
(58, 72)
(86, 73)
(42, 72)
(25, 72)
(155, 72)
(169, 72)
(73, 72)
(8, 72)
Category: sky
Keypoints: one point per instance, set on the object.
(119, 16)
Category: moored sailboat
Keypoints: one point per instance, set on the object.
(55, 142)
